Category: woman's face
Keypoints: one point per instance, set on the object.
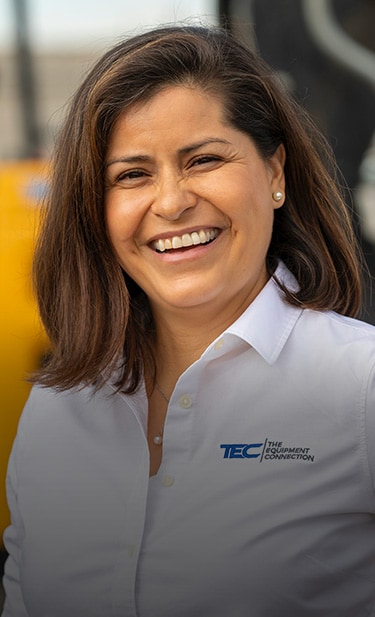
(188, 206)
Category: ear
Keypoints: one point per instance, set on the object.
(276, 165)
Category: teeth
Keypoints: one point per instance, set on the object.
(177, 242)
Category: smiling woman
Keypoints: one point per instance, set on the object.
(199, 434)
(189, 207)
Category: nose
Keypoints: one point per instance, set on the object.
(173, 198)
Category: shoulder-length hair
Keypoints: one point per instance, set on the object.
(96, 317)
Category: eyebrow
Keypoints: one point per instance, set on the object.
(141, 158)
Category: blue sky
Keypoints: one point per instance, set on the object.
(77, 23)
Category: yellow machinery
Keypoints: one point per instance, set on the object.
(23, 342)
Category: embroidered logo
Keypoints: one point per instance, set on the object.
(268, 450)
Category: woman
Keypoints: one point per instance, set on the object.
(198, 443)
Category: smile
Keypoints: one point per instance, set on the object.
(188, 239)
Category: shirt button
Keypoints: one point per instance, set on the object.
(185, 401)
(168, 481)
(219, 344)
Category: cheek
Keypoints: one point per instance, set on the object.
(114, 235)
(114, 226)
(251, 209)
(256, 229)
(121, 221)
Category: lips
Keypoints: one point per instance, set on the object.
(203, 236)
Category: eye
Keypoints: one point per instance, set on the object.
(128, 178)
(131, 174)
(205, 159)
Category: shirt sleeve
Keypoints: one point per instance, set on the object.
(14, 605)
(370, 426)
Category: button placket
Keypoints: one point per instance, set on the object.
(178, 430)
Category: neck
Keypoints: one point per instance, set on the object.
(182, 336)
(177, 349)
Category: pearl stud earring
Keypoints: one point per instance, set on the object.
(277, 195)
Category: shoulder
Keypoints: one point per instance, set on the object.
(52, 416)
(331, 329)
(52, 401)
(81, 412)
(327, 327)
(48, 417)
(50, 405)
(333, 348)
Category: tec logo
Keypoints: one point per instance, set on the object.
(268, 450)
(241, 450)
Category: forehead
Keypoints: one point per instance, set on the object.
(171, 119)
(191, 102)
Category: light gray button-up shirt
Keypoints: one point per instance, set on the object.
(264, 502)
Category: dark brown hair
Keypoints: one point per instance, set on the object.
(96, 317)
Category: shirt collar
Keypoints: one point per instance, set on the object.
(267, 323)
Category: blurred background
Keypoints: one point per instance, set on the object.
(323, 49)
